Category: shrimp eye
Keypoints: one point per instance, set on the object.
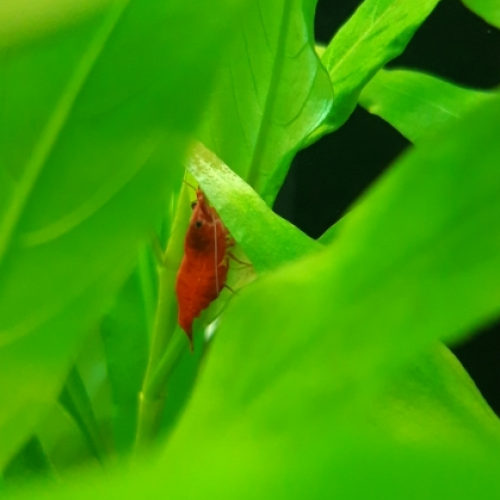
(194, 203)
(198, 223)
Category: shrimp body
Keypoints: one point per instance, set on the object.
(204, 266)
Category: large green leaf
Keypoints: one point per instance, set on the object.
(433, 383)
(269, 409)
(89, 117)
(416, 104)
(268, 240)
(357, 467)
(489, 10)
(378, 32)
(404, 270)
(271, 93)
(433, 401)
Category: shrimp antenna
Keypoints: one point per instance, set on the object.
(189, 184)
(215, 253)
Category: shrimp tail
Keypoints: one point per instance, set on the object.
(187, 326)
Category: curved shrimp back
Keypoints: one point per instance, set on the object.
(204, 267)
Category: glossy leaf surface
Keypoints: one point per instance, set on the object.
(416, 104)
(377, 33)
(272, 92)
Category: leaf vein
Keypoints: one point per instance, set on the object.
(55, 125)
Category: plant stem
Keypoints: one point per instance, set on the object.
(151, 401)
(147, 278)
(153, 396)
(175, 350)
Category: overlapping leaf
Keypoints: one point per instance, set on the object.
(378, 32)
(268, 240)
(91, 122)
(272, 92)
(326, 331)
(403, 271)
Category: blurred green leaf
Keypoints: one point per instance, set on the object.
(92, 121)
(124, 331)
(268, 240)
(22, 21)
(416, 104)
(377, 32)
(332, 232)
(63, 441)
(489, 10)
(272, 92)
(433, 401)
(181, 381)
(358, 466)
(77, 403)
(279, 403)
(31, 461)
(404, 271)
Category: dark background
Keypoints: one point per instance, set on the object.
(326, 178)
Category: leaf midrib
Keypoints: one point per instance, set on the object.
(254, 170)
(55, 124)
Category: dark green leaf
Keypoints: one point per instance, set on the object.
(416, 104)
(30, 462)
(77, 403)
(272, 92)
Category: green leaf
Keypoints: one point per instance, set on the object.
(357, 467)
(413, 424)
(489, 10)
(63, 441)
(332, 232)
(268, 240)
(182, 381)
(282, 408)
(416, 104)
(433, 401)
(377, 32)
(124, 332)
(76, 401)
(272, 92)
(89, 117)
(31, 461)
(36, 19)
(404, 270)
